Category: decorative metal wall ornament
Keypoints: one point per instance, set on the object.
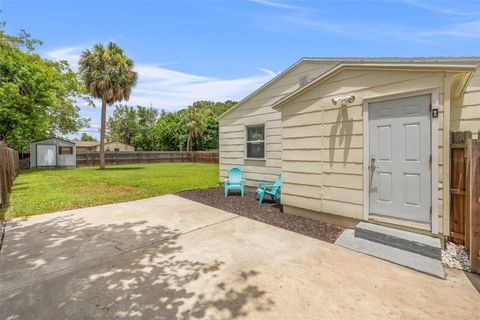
(343, 100)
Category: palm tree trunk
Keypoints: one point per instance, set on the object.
(189, 143)
(102, 134)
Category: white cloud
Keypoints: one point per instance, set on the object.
(442, 8)
(386, 33)
(172, 89)
(70, 54)
(303, 17)
(467, 29)
(277, 4)
(168, 89)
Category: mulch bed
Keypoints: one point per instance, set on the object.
(269, 212)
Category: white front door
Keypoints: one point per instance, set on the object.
(46, 155)
(399, 149)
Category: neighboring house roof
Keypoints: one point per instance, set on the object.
(111, 142)
(444, 63)
(53, 138)
(86, 144)
(91, 144)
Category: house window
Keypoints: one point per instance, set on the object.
(65, 150)
(256, 142)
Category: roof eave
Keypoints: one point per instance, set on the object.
(263, 87)
(467, 68)
(415, 60)
(464, 83)
(53, 138)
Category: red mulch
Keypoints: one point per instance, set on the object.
(269, 212)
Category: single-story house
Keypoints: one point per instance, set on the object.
(92, 146)
(357, 138)
(85, 146)
(52, 152)
(116, 146)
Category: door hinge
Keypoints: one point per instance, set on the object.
(430, 160)
(430, 106)
(430, 209)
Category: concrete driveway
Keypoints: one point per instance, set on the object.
(171, 258)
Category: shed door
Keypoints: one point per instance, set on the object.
(46, 155)
(400, 158)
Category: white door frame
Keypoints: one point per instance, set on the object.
(45, 144)
(434, 96)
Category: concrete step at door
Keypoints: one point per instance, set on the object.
(412, 242)
(418, 252)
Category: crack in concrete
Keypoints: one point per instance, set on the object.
(2, 233)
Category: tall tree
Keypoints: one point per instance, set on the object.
(210, 112)
(167, 133)
(107, 74)
(194, 128)
(86, 137)
(192, 120)
(146, 118)
(122, 124)
(36, 94)
(132, 125)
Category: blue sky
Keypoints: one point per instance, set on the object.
(217, 50)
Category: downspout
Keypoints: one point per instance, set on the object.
(322, 163)
(445, 214)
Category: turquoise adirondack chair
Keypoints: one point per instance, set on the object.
(234, 181)
(270, 188)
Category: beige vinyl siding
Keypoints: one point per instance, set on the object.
(323, 143)
(116, 145)
(465, 111)
(258, 110)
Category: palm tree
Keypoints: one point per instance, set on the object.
(194, 125)
(108, 75)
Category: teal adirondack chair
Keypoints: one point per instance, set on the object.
(270, 188)
(234, 181)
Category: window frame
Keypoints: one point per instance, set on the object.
(264, 141)
(70, 152)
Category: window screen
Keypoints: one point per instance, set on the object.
(256, 142)
(65, 150)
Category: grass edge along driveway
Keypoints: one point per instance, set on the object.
(40, 191)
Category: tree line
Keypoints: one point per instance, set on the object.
(148, 129)
(37, 95)
(38, 99)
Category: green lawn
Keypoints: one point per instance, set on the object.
(41, 191)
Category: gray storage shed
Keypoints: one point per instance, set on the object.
(52, 152)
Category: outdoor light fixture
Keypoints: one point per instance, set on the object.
(343, 100)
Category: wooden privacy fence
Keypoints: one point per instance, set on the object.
(9, 170)
(465, 194)
(24, 164)
(131, 157)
